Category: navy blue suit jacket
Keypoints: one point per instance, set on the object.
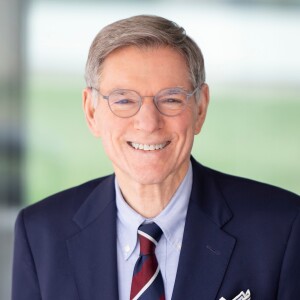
(239, 235)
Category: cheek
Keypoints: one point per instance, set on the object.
(185, 129)
(112, 132)
(110, 145)
(104, 121)
(191, 120)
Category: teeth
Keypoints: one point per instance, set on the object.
(148, 147)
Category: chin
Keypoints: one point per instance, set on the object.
(149, 178)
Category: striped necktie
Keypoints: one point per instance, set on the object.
(147, 282)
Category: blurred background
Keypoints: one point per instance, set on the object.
(251, 49)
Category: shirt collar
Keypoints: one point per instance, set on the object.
(171, 220)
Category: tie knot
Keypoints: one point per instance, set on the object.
(149, 235)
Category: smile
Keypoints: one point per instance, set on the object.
(148, 147)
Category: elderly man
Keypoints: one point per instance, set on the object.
(163, 226)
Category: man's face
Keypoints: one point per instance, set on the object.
(146, 71)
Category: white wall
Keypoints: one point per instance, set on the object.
(239, 43)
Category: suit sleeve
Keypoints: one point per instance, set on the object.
(25, 284)
(289, 284)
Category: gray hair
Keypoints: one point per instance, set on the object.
(144, 31)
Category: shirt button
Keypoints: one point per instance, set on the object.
(127, 248)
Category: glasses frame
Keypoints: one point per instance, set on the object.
(188, 96)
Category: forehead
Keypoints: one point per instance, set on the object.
(131, 65)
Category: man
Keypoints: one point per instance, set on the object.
(222, 237)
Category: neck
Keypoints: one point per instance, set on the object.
(149, 199)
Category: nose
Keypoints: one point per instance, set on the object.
(148, 118)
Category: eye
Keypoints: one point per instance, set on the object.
(123, 101)
(174, 100)
(171, 100)
(123, 98)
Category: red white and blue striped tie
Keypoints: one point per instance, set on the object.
(147, 282)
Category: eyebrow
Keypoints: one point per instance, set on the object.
(175, 89)
(171, 89)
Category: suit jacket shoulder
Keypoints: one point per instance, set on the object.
(62, 241)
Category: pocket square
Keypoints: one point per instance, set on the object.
(241, 296)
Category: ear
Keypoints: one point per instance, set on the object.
(90, 111)
(202, 108)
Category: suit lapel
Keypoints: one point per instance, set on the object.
(92, 251)
(206, 249)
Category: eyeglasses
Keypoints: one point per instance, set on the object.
(126, 103)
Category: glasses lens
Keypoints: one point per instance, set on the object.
(124, 103)
(171, 102)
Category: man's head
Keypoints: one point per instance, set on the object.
(144, 32)
(146, 132)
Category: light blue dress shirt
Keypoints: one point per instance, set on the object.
(171, 220)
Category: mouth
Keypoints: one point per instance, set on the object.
(149, 147)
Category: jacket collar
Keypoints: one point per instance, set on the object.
(92, 251)
(206, 248)
(207, 195)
